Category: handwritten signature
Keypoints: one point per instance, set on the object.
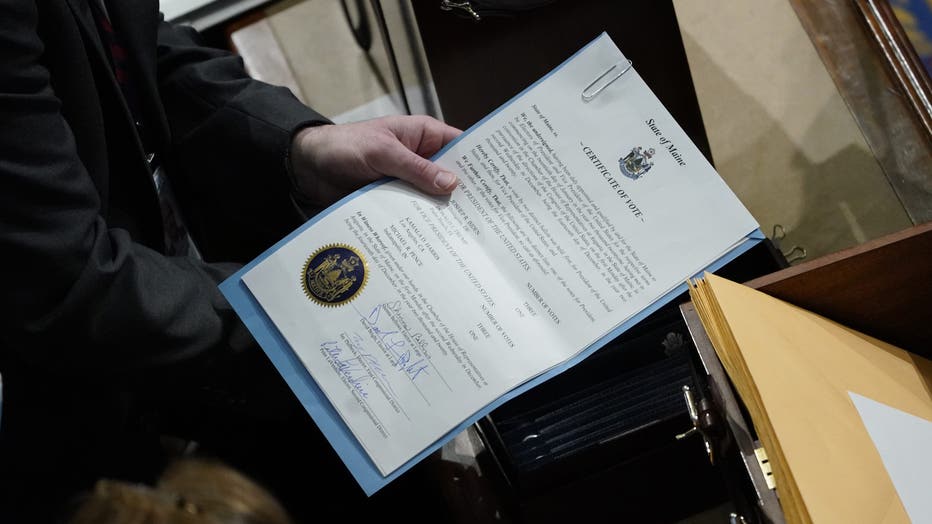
(393, 340)
(353, 370)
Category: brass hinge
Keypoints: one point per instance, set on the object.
(765, 467)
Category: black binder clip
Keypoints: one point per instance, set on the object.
(592, 90)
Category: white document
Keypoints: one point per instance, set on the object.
(173, 9)
(903, 441)
(412, 313)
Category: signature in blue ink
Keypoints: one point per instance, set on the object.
(390, 338)
(361, 354)
(373, 317)
(415, 369)
(412, 369)
(356, 384)
(393, 340)
(419, 340)
(352, 370)
(375, 365)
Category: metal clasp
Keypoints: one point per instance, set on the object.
(588, 93)
(704, 421)
(466, 7)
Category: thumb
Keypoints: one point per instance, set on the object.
(400, 162)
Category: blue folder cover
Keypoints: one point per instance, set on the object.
(326, 417)
(315, 402)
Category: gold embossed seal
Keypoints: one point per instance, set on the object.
(334, 275)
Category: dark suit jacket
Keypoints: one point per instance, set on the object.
(91, 307)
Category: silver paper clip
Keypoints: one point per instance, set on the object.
(588, 93)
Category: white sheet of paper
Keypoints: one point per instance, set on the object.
(173, 9)
(544, 247)
(904, 442)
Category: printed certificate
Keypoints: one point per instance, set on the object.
(413, 315)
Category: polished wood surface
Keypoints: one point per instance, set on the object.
(882, 288)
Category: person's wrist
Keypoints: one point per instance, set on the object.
(301, 160)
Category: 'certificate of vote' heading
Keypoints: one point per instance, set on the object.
(413, 314)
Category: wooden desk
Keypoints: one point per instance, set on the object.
(882, 288)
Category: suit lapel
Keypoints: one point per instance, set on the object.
(110, 92)
(89, 31)
(84, 16)
(137, 23)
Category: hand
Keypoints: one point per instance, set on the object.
(330, 161)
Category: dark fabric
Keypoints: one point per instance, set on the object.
(94, 314)
(121, 65)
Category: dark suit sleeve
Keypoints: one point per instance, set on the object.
(230, 136)
(80, 298)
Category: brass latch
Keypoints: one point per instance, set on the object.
(704, 420)
(765, 467)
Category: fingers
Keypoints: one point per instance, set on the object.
(350, 155)
(422, 134)
(396, 160)
(447, 132)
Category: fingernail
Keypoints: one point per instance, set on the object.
(444, 180)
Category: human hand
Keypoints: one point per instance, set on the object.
(330, 161)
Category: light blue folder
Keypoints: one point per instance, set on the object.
(328, 420)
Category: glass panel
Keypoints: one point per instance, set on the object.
(805, 123)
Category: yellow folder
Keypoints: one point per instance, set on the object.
(794, 370)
